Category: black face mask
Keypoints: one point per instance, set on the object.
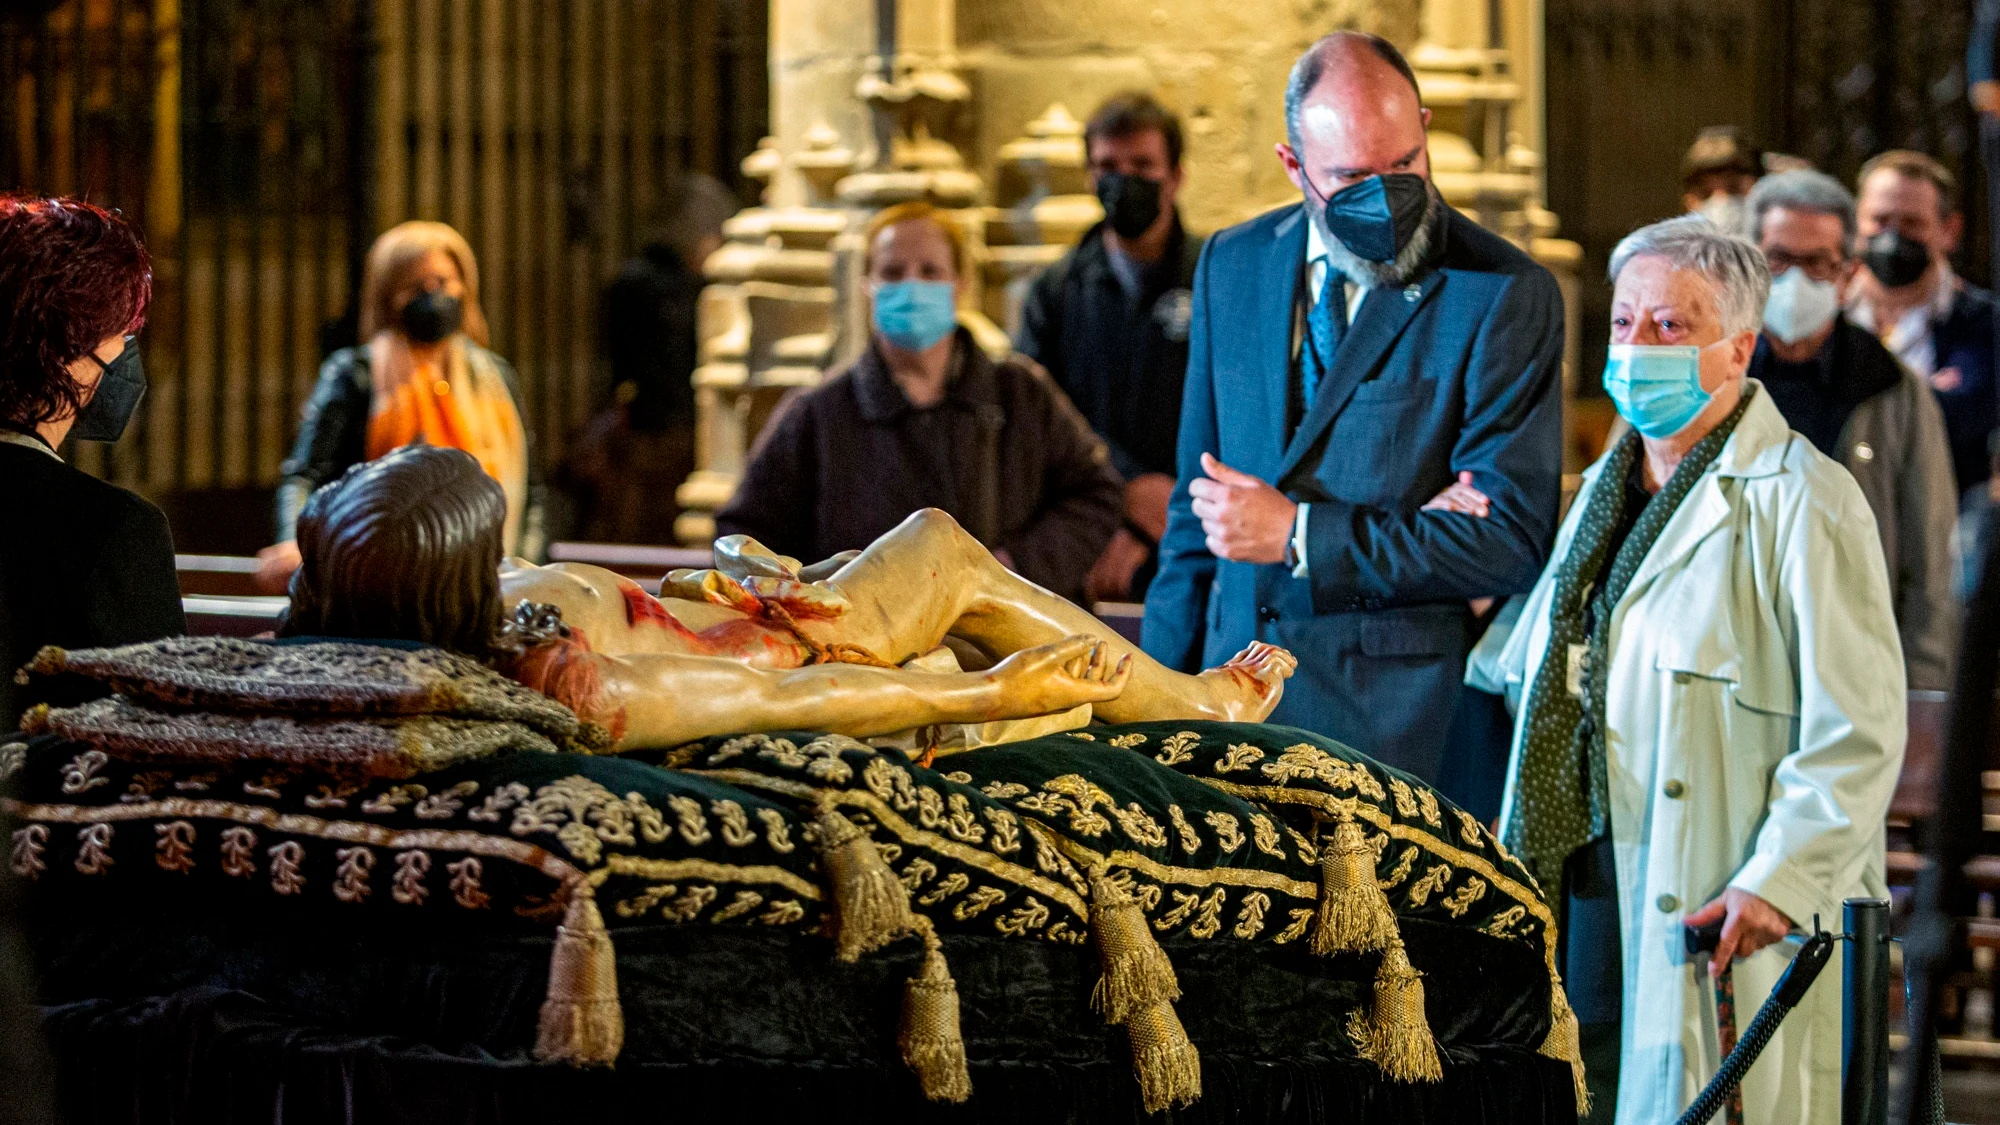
(1377, 217)
(110, 409)
(1896, 261)
(1131, 203)
(430, 316)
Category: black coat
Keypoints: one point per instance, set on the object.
(83, 564)
(1120, 361)
(649, 337)
(333, 437)
(1965, 343)
(1005, 453)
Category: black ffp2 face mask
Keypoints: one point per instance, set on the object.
(1131, 203)
(430, 316)
(1377, 217)
(116, 399)
(1896, 261)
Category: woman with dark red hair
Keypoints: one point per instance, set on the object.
(82, 563)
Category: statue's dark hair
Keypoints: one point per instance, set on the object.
(404, 547)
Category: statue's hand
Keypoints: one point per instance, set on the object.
(755, 594)
(1056, 677)
(801, 600)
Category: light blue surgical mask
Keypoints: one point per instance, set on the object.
(914, 314)
(1656, 387)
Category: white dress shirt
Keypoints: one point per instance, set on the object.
(1910, 338)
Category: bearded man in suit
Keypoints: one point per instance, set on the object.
(1370, 433)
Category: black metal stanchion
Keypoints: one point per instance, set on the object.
(1864, 1020)
(1951, 838)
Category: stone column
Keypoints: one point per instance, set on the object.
(978, 109)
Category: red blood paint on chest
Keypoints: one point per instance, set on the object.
(641, 606)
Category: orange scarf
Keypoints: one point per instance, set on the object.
(466, 405)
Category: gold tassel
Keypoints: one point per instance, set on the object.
(581, 1021)
(1138, 989)
(932, 1047)
(35, 720)
(1169, 1067)
(871, 905)
(1354, 914)
(47, 662)
(1565, 1041)
(1137, 973)
(1396, 1036)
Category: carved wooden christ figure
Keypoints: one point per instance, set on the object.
(406, 546)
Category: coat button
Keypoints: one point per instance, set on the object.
(1682, 678)
(1266, 613)
(1673, 788)
(1863, 451)
(1668, 904)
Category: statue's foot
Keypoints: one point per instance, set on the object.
(1247, 688)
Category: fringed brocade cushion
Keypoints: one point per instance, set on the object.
(307, 678)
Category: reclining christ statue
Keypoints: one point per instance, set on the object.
(406, 546)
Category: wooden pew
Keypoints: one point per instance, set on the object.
(642, 563)
(231, 616)
(227, 576)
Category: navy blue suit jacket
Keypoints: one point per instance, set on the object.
(1459, 370)
(1964, 340)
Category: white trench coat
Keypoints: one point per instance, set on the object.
(1755, 720)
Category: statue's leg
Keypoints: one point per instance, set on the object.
(929, 578)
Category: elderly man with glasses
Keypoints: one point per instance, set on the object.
(1837, 385)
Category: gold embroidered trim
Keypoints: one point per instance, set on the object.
(299, 824)
(1166, 873)
(1333, 806)
(904, 830)
(641, 867)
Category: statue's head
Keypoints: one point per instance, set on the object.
(404, 547)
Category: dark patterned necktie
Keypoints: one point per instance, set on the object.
(1326, 325)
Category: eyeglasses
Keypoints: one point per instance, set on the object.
(1823, 266)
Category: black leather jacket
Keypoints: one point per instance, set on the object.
(334, 437)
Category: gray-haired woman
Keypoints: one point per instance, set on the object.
(1709, 695)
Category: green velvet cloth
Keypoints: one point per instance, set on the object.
(423, 909)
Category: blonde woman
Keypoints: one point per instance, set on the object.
(422, 373)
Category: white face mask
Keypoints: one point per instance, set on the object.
(1799, 306)
(1729, 213)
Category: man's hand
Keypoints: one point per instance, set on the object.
(1750, 924)
(1462, 498)
(1459, 496)
(1146, 497)
(275, 565)
(1985, 96)
(1111, 578)
(1244, 519)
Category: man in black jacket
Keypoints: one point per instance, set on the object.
(1110, 323)
(1907, 226)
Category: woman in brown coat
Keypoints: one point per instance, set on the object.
(925, 420)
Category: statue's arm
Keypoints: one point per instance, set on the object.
(660, 700)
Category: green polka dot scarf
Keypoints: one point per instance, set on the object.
(1560, 792)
